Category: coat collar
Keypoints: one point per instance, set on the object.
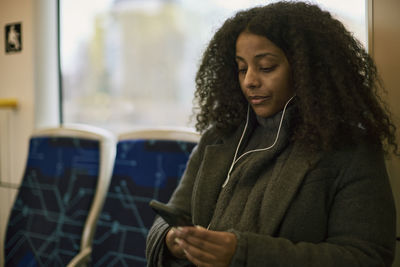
(212, 173)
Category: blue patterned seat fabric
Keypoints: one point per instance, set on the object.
(144, 170)
(47, 219)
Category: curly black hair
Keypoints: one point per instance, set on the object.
(335, 80)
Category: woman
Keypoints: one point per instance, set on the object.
(289, 170)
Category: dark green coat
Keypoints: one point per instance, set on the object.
(317, 209)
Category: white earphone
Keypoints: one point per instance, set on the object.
(255, 150)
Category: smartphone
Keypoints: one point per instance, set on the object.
(173, 216)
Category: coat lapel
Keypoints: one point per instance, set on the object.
(287, 179)
(212, 174)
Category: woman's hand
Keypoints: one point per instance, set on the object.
(172, 245)
(204, 247)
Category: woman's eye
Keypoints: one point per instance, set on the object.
(243, 70)
(268, 69)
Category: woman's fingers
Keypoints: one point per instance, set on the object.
(174, 248)
(203, 247)
(194, 252)
(206, 239)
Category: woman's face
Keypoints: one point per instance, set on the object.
(264, 74)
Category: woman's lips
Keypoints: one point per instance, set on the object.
(256, 100)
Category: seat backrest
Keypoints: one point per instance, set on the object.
(67, 171)
(148, 165)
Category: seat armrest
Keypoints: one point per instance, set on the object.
(81, 259)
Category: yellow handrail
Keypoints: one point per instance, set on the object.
(8, 103)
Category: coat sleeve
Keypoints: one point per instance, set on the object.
(181, 198)
(361, 224)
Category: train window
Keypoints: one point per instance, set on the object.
(128, 63)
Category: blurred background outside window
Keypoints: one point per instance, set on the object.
(132, 63)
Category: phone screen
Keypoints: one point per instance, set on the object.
(173, 216)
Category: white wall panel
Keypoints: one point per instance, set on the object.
(385, 30)
(31, 77)
(7, 197)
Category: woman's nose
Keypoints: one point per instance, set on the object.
(251, 79)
